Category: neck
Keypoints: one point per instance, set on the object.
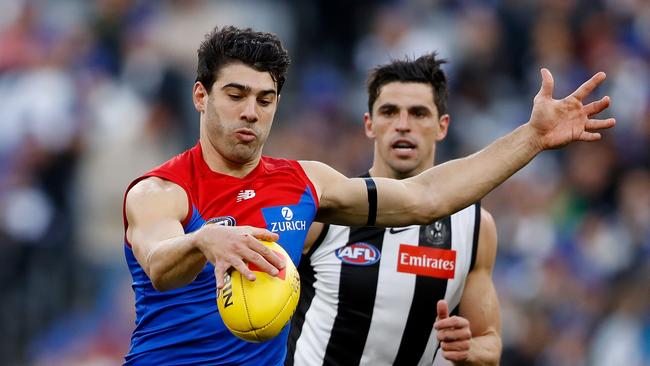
(220, 164)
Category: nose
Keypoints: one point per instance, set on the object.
(249, 113)
(402, 123)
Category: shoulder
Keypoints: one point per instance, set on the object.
(320, 173)
(154, 194)
(316, 167)
(153, 186)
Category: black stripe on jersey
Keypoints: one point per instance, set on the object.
(477, 230)
(357, 291)
(427, 292)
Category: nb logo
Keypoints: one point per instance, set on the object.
(245, 194)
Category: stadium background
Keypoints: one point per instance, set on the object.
(92, 93)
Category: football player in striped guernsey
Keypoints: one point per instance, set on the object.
(370, 295)
(198, 215)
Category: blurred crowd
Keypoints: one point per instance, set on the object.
(94, 93)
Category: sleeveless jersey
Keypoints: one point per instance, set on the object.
(369, 294)
(183, 326)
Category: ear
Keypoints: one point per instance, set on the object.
(443, 126)
(199, 97)
(367, 124)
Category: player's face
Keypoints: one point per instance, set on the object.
(238, 113)
(405, 125)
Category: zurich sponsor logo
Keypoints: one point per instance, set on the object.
(359, 254)
(287, 213)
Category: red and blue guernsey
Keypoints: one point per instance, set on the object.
(183, 326)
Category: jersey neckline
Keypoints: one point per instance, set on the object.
(207, 172)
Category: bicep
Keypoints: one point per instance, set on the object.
(154, 212)
(342, 200)
(480, 303)
(345, 201)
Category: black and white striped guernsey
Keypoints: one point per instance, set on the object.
(369, 294)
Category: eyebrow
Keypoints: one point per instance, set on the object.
(248, 89)
(417, 107)
(387, 106)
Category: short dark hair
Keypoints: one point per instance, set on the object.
(425, 69)
(259, 50)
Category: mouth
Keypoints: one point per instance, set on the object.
(403, 145)
(245, 134)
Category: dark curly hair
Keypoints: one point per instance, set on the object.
(425, 69)
(259, 50)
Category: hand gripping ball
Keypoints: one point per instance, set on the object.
(257, 311)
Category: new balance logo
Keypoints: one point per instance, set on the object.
(245, 194)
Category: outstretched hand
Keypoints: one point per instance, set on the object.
(559, 122)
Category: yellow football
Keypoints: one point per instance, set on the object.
(256, 311)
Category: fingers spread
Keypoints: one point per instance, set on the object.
(258, 263)
(588, 86)
(242, 268)
(597, 106)
(264, 234)
(219, 275)
(546, 90)
(267, 255)
(589, 136)
(599, 124)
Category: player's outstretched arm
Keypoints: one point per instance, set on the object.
(155, 209)
(454, 185)
(473, 337)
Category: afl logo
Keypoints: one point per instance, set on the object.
(287, 213)
(359, 254)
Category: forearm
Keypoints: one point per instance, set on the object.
(485, 350)
(458, 183)
(175, 262)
